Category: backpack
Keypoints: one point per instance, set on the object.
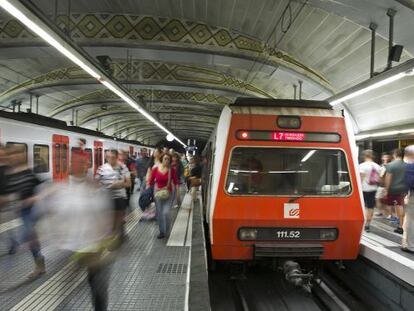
(146, 198)
(373, 178)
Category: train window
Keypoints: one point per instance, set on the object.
(11, 144)
(89, 151)
(64, 158)
(40, 158)
(57, 158)
(288, 171)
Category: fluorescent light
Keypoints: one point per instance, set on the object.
(308, 155)
(47, 37)
(287, 172)
(385, 133)
(244, 171)
(369, 88)
(74, 57)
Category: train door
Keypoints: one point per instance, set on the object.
(60, 154)
(98, 155)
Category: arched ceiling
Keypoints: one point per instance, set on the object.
(184, 60)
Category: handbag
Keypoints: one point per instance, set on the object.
(146, 198)
(195, 182)
(163, 193)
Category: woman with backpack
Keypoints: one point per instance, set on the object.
(164, 178)
(370, 178)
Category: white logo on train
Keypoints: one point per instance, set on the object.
(291, 210)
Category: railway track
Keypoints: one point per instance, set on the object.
(262, 290)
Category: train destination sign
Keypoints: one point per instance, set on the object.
(288, 136)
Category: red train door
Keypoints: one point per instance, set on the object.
(60, 153)
(98, 155)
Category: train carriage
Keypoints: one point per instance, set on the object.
(50, 143)
(282, 182)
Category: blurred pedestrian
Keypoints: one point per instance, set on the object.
(407, 244)
(394, 187)
(21, 185)
(80, 217)
(369, 172)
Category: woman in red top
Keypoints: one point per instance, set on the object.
(159, 177)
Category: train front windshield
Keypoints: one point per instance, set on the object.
(288, 171)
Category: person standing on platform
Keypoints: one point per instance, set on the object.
(115, 177)
(407, 244)
(195, 176)
(164, 178)
(177, 165)
(395, 188)
(379, 195)
(369, 172)
(141, 166)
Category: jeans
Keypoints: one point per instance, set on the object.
(163, 213)
(28, 231)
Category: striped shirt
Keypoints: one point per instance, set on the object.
(22, 184)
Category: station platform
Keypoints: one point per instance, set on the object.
(382, 246)
(147, 273)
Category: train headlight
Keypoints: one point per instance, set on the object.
(328, 234)
(247, 234)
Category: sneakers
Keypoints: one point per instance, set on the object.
(367, 229)
(399, 230)
(379, 214)
(40, 268)
(160, 236)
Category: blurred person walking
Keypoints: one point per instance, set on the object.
(407, 243)
(115, 177)
(163, 177)
(394, 187)
(369, 172)
(21, 185)
(80, 217)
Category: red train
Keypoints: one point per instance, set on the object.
(282, 182)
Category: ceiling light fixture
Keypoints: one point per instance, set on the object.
(385, 133)
(18, 10)
(382, 79)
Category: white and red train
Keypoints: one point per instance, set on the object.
(50, 143)
(282, 181)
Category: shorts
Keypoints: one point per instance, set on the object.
(120, 204)
(394, 199)
(369, 199)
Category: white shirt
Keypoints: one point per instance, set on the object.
(107, 175)
(79, 215)
(366, 168)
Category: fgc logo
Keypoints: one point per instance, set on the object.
(291, 210)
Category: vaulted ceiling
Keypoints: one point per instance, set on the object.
(186, 59)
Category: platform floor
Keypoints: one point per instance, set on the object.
(147, 274)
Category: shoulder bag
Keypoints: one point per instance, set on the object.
(164, 193)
